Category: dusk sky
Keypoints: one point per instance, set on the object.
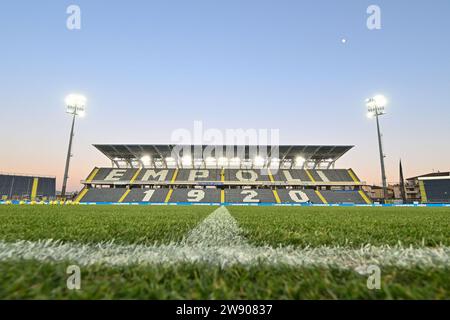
(148, 68)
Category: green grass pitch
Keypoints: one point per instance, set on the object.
(277, 227)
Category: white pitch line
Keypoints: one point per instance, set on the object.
(123, 255)
(218, 241)
(219, 229)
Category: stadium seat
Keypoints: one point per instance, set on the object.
(249, 196)
(103, 195)
(147, 195)
(437, 190)
(205, 186)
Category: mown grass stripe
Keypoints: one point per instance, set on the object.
(219, 229)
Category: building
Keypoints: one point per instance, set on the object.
(376, 193)
(413, 185)
(232, 174)
(26, 187)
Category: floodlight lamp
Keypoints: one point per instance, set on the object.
(186, 159)
(380, 100)
(370, 103)
(223, 160)
(146, 160)
(76, 104)
(274, 164)
(259, 160)
(299, 160)
(376, 104)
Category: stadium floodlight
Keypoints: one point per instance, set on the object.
(223, 161)
(76, 106)
(146, 160)
(186, 160)
(299, 161)
(376, 104)
(274, 163)
(259, 161)
(236, 161)
(375, 108)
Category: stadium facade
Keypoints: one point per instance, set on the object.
(27, 187)
(432, 187)
(435, 189)
(290, 174)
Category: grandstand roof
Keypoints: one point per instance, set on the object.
(29, 175)
(130, 153)
(431, 175)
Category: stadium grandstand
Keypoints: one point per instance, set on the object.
(429, 188)
(435, 188)
(223, 175)
(27, 187)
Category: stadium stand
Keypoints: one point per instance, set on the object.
(19, 187)
(106, 194)
(115, 176)
(129, 180)
(435, 189)
(298, 196)
(338, 196)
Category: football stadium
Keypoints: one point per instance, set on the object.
(124, 210)
(239, 178)
(188, 222)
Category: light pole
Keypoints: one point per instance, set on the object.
(375, 107)
(75, 105)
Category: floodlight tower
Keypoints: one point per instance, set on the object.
(75, 105)
(375, 107)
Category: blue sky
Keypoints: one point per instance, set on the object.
(150, 67)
